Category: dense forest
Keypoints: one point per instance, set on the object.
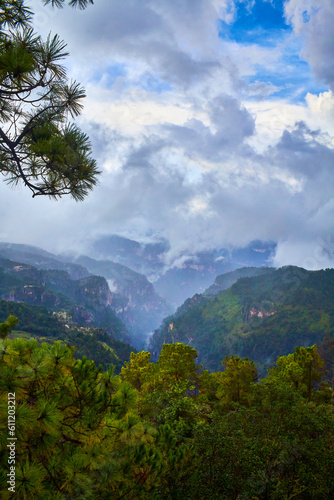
(165, 430)
(261, 317)
(39, 323)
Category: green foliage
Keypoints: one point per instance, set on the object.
(277, 448)
(241, 439)
(38, 146)
(176, 364)
(302, 370)
(259, 317)
(7, 326)
(75, 425)
(138, 370)
(236, 381)
(164, 388)
(166, 430)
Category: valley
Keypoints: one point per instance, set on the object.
(110, 377)
(250, 311)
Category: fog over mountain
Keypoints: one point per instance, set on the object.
(212, 123)
(118, 268)
(192, 272)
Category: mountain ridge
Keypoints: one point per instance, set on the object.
(259, 317)
(132, 297)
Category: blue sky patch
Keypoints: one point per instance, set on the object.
(293, 84)
(111, 73)
(262, 24)
(153, 84)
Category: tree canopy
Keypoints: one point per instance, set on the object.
(164, 430)
(39, 146)
(81, 4)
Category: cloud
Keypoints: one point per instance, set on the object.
(193, 139)
(147, 34)
(313, 21)
(229, 125)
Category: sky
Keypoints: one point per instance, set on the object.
(212, 122)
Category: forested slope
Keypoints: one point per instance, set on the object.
(37, 322)
(86, 300)
(164, 431)
(51, 306)
(261, 317)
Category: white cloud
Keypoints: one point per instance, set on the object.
(189, 149)
(313, 20)
(272, 117)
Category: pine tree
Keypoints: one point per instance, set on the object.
(78, 432)
(38, 145)
(234, 384)
(7, 326)
(303, 370)
(81, 4)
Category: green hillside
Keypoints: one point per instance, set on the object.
(47, 326)
(52, 306)
(224, 281)
(87, 300)
(261, 317)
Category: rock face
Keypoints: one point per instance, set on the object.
(87, 300)
(258, 314)
(176, 279)
(134, 298)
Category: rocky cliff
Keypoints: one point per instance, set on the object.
(88, 301)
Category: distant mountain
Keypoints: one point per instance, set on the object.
(134, 298)
(40, 259)
(189, 273)
(261, 317)
(145, 258)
